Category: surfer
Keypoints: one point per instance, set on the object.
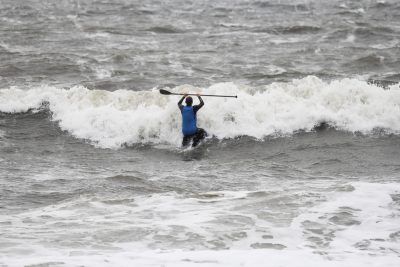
(189, 121)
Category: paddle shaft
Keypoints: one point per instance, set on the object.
(235, 96)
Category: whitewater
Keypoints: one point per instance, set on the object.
(348, 229)
(302, 169)
(123, 117)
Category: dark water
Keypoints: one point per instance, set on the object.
(302, 169)
(142, 44)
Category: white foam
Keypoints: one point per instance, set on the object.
(176, 258)
(350, 38)
(378, 219)
(98, 35)
(289, 40)
(111, 119)
(375, 219)
(74, 232)
(386, 45)
(102, 73)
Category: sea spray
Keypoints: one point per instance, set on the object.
(112, 119)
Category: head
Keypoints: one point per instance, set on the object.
(189, 101)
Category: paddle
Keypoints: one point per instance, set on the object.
(165, 92)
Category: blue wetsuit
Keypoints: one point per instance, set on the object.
(189, 123)
(189, 120)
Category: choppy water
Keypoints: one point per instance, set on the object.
(301, 170)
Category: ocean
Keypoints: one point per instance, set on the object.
(302, 169)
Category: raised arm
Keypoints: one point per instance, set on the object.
(197, 107)
(201, 102)
(180, 102)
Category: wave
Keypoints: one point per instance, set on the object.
(123, 117)
(296, 29)
(164, 29)
(370, 61)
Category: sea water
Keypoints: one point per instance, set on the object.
(302, 169)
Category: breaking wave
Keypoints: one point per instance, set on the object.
(112, 119)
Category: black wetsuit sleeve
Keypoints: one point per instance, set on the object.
(197, 107)
(180, 103)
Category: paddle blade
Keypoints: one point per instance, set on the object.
(164, 92)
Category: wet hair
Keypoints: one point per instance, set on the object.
(189, 101)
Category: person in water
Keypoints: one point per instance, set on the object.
(189, 121)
